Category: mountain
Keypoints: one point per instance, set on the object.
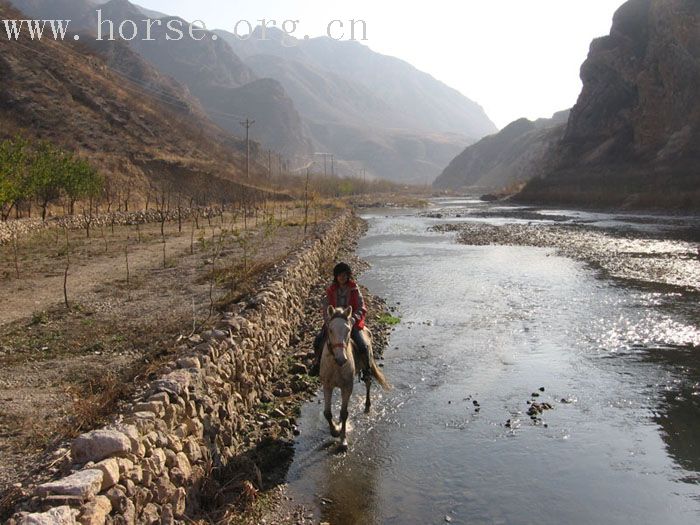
(132, 66)
(209, 69)
(506, 159)
(67, 94)
(318, 95)
(426, 103)
(633, 138)
(55, 9)
(364, 106)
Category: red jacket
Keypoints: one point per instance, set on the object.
(359, 312)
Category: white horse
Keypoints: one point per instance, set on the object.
(338, 367)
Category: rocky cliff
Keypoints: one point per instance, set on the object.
(506, 159)
(633, 138)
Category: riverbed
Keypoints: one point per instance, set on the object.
(489, 330)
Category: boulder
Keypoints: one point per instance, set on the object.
(98, 445)
(63, 515)
(110, 472)
(95, 512)
(84, 484)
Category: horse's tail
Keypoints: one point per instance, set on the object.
(374, 369)
(379, 375)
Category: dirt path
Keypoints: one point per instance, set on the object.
(87, 273)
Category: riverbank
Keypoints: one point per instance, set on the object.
(134, 293)
(272, 503)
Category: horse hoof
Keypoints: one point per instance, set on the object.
(367, 407)
(335, 432)
(343, 447)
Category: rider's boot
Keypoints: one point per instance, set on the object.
(361, 344)
(316, 367)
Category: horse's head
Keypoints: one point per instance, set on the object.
(339, 329)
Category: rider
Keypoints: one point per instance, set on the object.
(341, 293)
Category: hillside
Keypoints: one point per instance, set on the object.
(506, 159)
(209, 69)
(63, 93)
(633, 138)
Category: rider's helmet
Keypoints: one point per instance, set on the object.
(342, 268)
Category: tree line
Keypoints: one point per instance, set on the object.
(43, 173)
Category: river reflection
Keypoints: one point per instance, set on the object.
(493, 324)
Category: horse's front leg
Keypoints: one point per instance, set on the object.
(328, 398)
(368, 401)
(345, 397)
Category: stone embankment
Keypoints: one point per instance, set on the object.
(149, 463)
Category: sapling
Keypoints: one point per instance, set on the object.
(65, 273)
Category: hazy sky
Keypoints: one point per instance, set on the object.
(516, 58)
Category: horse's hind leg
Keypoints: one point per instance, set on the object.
(368, 401)
(327, 398)
(367, 376)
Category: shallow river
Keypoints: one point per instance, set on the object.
(493, 325)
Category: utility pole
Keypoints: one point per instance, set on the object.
(306, 200)
(269, 163)
(325, 163)
(247, 125)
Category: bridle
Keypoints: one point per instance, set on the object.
(331, 345)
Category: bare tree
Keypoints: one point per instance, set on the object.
(65, 273)
(88, 217)
(126, 196)
(163, 209)
(126, 259)
(15, 252)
